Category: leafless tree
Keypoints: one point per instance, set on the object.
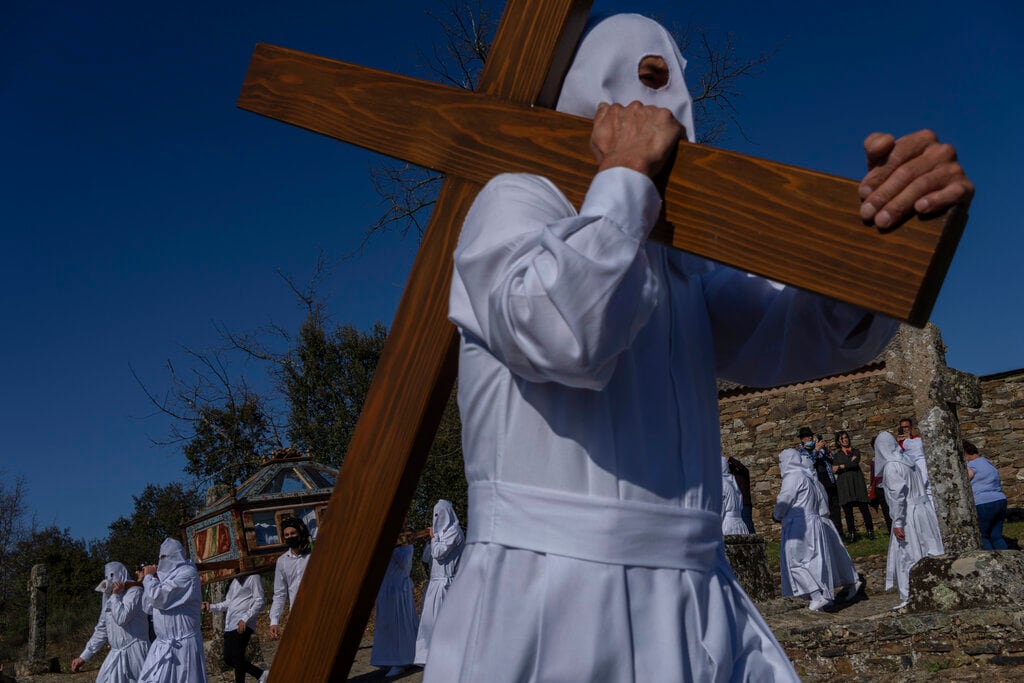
(13, 508)
(715, 72)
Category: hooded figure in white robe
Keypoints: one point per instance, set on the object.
(587, 388)
(176, 656)
(732, 504)
(813, 559)
(913, 447)
(124, 625)
(394, 634)
(912, 512)
(442, 553)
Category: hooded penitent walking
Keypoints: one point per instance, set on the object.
(175, 596)
(813, 559)
(123, 624)
(394, 636)
(587, 389)
(732, 504)
(442, 553)
(915, 526)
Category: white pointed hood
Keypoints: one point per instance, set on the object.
(888, 450)
(446, 524)
(172, 554)
(791, 461)
(605, 69)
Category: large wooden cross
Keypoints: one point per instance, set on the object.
(745, 212)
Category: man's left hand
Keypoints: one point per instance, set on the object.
(241, 626)
(914, 174)
(149, 570)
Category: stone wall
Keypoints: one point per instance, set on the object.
(757, 424)
(997, 429)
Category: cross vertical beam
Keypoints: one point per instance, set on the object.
(413, 380)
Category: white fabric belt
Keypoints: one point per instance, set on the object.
(733, 514)
(606, 530)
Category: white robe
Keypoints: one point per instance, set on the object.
(812, 555)
(914, 448)
(394, 635)
(732, 504)
(176, 656)
(587, 370)
(911, 510)
(591, 437)
(442, 553)
(125, 627)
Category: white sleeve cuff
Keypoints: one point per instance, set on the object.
(626, 197)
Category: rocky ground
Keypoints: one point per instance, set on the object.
(864, 641)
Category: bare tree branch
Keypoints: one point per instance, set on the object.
(716, 73)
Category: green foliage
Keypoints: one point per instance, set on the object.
(444, 474)
(325, 378)
(229, 440)
(159, 512)
(73, 571)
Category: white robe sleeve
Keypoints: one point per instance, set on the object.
(767, 334)
(894, 480)
(443, 545)
(99, 636)
(124, 607)
(786, 498)
(174, 591)
(553, 295)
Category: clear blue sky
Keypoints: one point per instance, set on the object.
(139, 207)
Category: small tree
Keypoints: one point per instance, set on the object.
(73, 572)
(12, 530)
(158, 514)
(325, 378)
(224, 427)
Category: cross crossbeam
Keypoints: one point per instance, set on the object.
(746, 212)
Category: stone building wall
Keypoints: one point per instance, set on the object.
(997, 429)
(757, 424)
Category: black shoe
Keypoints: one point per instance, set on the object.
(871, 535)
(852, 538)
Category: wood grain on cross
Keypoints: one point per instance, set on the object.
(753, 214)
(414, 377)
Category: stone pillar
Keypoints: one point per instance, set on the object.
(37, 586)
(218, 590)
(916, 360)
(748, 558)
(35, 662)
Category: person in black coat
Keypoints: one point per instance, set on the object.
(850, 485)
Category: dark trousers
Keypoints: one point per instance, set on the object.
(748, 517)
(869, 525)
(234, 653)
(834, 511)
(990, 522)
